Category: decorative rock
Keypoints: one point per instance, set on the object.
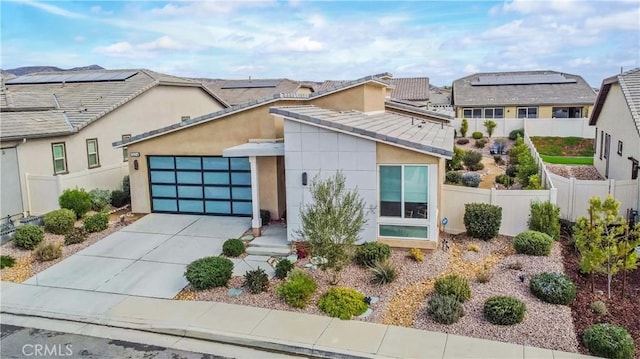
(319, 260)
(367, 313)
(293, 258)
(311, 266)
(272, 262)
(247, 237)
(234, 292)
(373, 300)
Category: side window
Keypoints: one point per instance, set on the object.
(125, 149)
(59, 153)
(93, 158)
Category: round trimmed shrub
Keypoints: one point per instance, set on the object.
(96, 223)
(7, 261)
(297, 289)
(59, 221)
(209, 272)
(609, 341)
(119, 198)
(28, 236)
(233, 247)
(371, 252)
(283, 267)
(100, 199)
(445, 309)
(455, 286)
(342, 303)
(554, 288)
(477, 135)
(470, 179)
(48, 252)
(471, 158)
(482, 220)
(256, 280)
(504, 310)
(481, 143)
(513, 135)
(533, 243)
(75, 236)
(462, 141)
(76, 200)
(476, 167)
(453, 177)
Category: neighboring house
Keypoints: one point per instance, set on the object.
(264, 154)
(235, 92)
(616, 115)
(56, 129)
(523, 94)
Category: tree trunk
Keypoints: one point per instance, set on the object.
(624, 280)
(593, 283)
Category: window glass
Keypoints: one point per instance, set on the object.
(59, 161)
(215, 163)
(162, 177)
(216, 178)
(488, 113)
(156, 162)
(466, 112)
(241, 178)
(241, 193)
(218, 207)
(167, 205)
(59, 165)
(191, 206)
(163, 191)
(533, 112)
(560, 112)
(416, 188)
(125, 149)
(242, 208)
(217, 192)
(404, 231)
(477, 113)
(190, 191)
(390, 191)
(522, 113)
(188, 163)
(241, 163)
(189, 177)
(58, 151)
(92, 153)
(498, 113)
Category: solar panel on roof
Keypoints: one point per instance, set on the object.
(251, 84)
(493, 80)
(72, 77)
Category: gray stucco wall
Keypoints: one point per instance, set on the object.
(315, 150)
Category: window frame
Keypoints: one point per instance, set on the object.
(493, 112)
(64, 158)
(125, 149)
(601, 143)
(97, 153)
(620, 145)
(528, 111)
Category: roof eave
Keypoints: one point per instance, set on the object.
(43, 135)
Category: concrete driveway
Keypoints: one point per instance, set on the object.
(146, 258)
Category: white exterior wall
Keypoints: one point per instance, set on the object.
(314, 150)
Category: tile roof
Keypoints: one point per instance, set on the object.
(630, 84)
(410, 88)
(408, 107)
(240, 91)
(80, 102)
(396, 130)
(465, 93)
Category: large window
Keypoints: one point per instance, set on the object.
(497, 112)
(488, 112)
(59, 158)
(93, 159)
(567, 112)
(125, 149)
(527, 112)
(472, 112)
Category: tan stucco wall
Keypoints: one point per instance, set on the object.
(366, 98)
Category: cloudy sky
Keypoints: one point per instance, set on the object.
(318, 40)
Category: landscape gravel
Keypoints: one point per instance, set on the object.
(579, 172)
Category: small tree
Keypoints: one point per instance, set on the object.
(490, 126)
(332, 222)
(526, 167)
(464, 127)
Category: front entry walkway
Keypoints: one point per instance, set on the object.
(146, 258)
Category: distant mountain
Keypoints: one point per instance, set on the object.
(20, 71)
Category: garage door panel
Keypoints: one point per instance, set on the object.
(157, 162)
(218, 207)
(163, 191)
(189, 177)
(162, 177)
(190, 206)
(217, 193)
(189, 192)
(165, 205)
(242, 207)
(216, 178)
(241, 178)
(241, 193)
(215, 163)
(240, 164)
(188, 163)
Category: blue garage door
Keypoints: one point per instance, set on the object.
(200, 185)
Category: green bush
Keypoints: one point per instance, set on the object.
(342, 303)
(545, 218)
(445, 309)
(519, 147)
(513, 135)
(28, 236)
(503, 310)
(76, 200)
(383, 272)
(533, 243)
(477, 135)
(511, 171)
(453, 177)
(283, 267)
(464, 127)
(75, 236)
(209, 272)
(60, 221)
(527, 167)
(96, 223)
(481, 143)
(471, 179)
(482, 220)
(534, 183)
(126, 187)
(554, 288)
(490, 126)
(504, 180)
(477, 167)
(462, 141)
(7, 261)
(119, 198)
(455, 286)
(233, 247)
(100, 199)
(455, 163)
(471, 158)
(371, 252)
(48, 252)
(609, 341)
(297, 288)
(599, 307)
(256, 280)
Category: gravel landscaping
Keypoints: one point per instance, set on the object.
(579, 172)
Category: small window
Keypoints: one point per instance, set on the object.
(601, 143)
(620, 148)
(93, 158)
(185, 118)
(125, 149)
(59, 158)
(527, 112)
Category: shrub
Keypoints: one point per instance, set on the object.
(498, 159)
(609, 341)
(481, 143)
(464, 127)
(97, 222)
(482, 220)
(462, 141)
(504, 180)
(483, 276)
(283, 267)
(28, 236)
(59, 221)
(119, 198)
(371, 252)
(342, 303)
(76, 200)
(476, 167)
(545, 218)
(48, 252)
(533, 243)
(471, 158)
(511, 171)
(209, 272)
(453, 177)
(503, 310)
(470, 179)
(7, 261)
(75, 236)
(256, 280)
(527, 167)
(100, 199)
(599, 307)
(444, 309)
(455, 163)
(383, 273)
(473, 248)
(455, 286)
(477, 135)
(534, 183)
(554, 288)
(233, 247)
(297, 289)
(519, 147)
(416, 254)
(513, 135)
(490, 125)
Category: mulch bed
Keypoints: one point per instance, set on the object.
(622, 311)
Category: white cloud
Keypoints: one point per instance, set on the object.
(79, 38)
(119, 49)
(52, 9)
(162, 43)
(302, 44)
(470, 68)
(629, 20)
(98, 10)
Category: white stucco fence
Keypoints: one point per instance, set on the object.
(561, 127)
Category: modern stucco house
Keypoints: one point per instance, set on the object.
(57, 128)
(522, 94)
(263, 155)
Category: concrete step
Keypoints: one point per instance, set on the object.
(272, 251)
